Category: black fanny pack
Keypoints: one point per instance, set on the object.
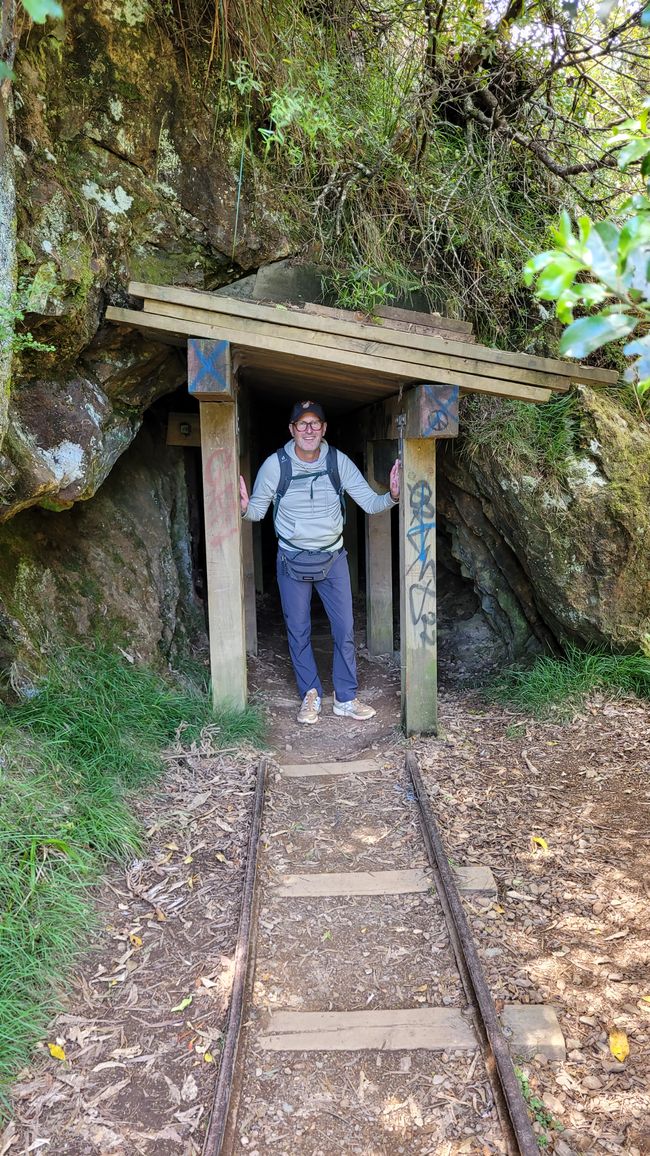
(309, 565)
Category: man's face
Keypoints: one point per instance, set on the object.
(308, 431)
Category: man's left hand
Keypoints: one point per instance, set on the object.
(394, 480)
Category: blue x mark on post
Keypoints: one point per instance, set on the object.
(208, 364)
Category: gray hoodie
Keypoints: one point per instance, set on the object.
(309, 515)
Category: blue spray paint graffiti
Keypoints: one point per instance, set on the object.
(421, 570)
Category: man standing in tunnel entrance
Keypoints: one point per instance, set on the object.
(306, 481)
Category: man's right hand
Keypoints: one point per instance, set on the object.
(243, 495)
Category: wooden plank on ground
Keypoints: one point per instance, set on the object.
(283, 316)
(372, 346)
(410, 882)
(431, 1028)
(331, 359)
(418, 608)
(316, 770)
(477, 879)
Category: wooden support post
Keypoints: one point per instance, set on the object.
(248, 559)
(418, 585)
(223, 552)
(379, 567)
(351, 543)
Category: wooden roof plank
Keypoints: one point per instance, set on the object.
(450, 361)
(401, 372)
(282, 315)
(435, 327)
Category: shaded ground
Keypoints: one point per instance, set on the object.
(570, 928)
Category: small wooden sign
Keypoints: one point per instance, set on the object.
(183, 429)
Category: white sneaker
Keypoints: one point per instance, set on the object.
(310, 709)
(353, 709)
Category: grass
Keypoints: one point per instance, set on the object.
(537, 1109)
(93, 731)
(543, 436)
(560, 685)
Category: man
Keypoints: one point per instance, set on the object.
(306, 481)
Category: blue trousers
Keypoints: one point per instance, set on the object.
(336, 595)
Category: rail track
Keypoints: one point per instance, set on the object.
(354, 815)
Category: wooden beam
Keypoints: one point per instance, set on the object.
(418, 610)
(287, 316)
(423, 362)
(223, 553)
(430, 411)
(209, 370)
(379, 570)
(332, 360)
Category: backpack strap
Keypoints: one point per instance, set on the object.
(332, 467)
(286, 474)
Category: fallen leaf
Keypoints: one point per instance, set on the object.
(56, 1051)
(618, 1045)
(208, 1057)
(183, 1004)
(188, 859)
(135, 939)
(645, 998)
(220, 856)
(539, 841)
(189, 1090)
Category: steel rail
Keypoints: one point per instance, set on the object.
(243, 961)
(509, 1098)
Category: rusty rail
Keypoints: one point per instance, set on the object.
(509, 1100)
(244, 959)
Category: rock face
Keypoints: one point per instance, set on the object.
(122, 171)
(117, 567)
(559, 562)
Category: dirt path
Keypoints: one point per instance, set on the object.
(569, 928)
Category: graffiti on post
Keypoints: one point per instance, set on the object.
(421, 568)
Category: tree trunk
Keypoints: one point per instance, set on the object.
(7, 209)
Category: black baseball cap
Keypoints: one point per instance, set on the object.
(303, 407)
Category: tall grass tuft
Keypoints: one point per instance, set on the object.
(560, 685)
(94, 730)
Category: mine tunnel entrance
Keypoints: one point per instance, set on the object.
(467, 646)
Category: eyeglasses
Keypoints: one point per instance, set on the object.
(301, 426)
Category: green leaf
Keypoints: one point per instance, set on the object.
(5, 71)
(557, 277)
(589, 333)
(566, 303)
(39, 10)
(633, 152)
(538, 262)
(564, 230)
(593, 293)
(185, 1003)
